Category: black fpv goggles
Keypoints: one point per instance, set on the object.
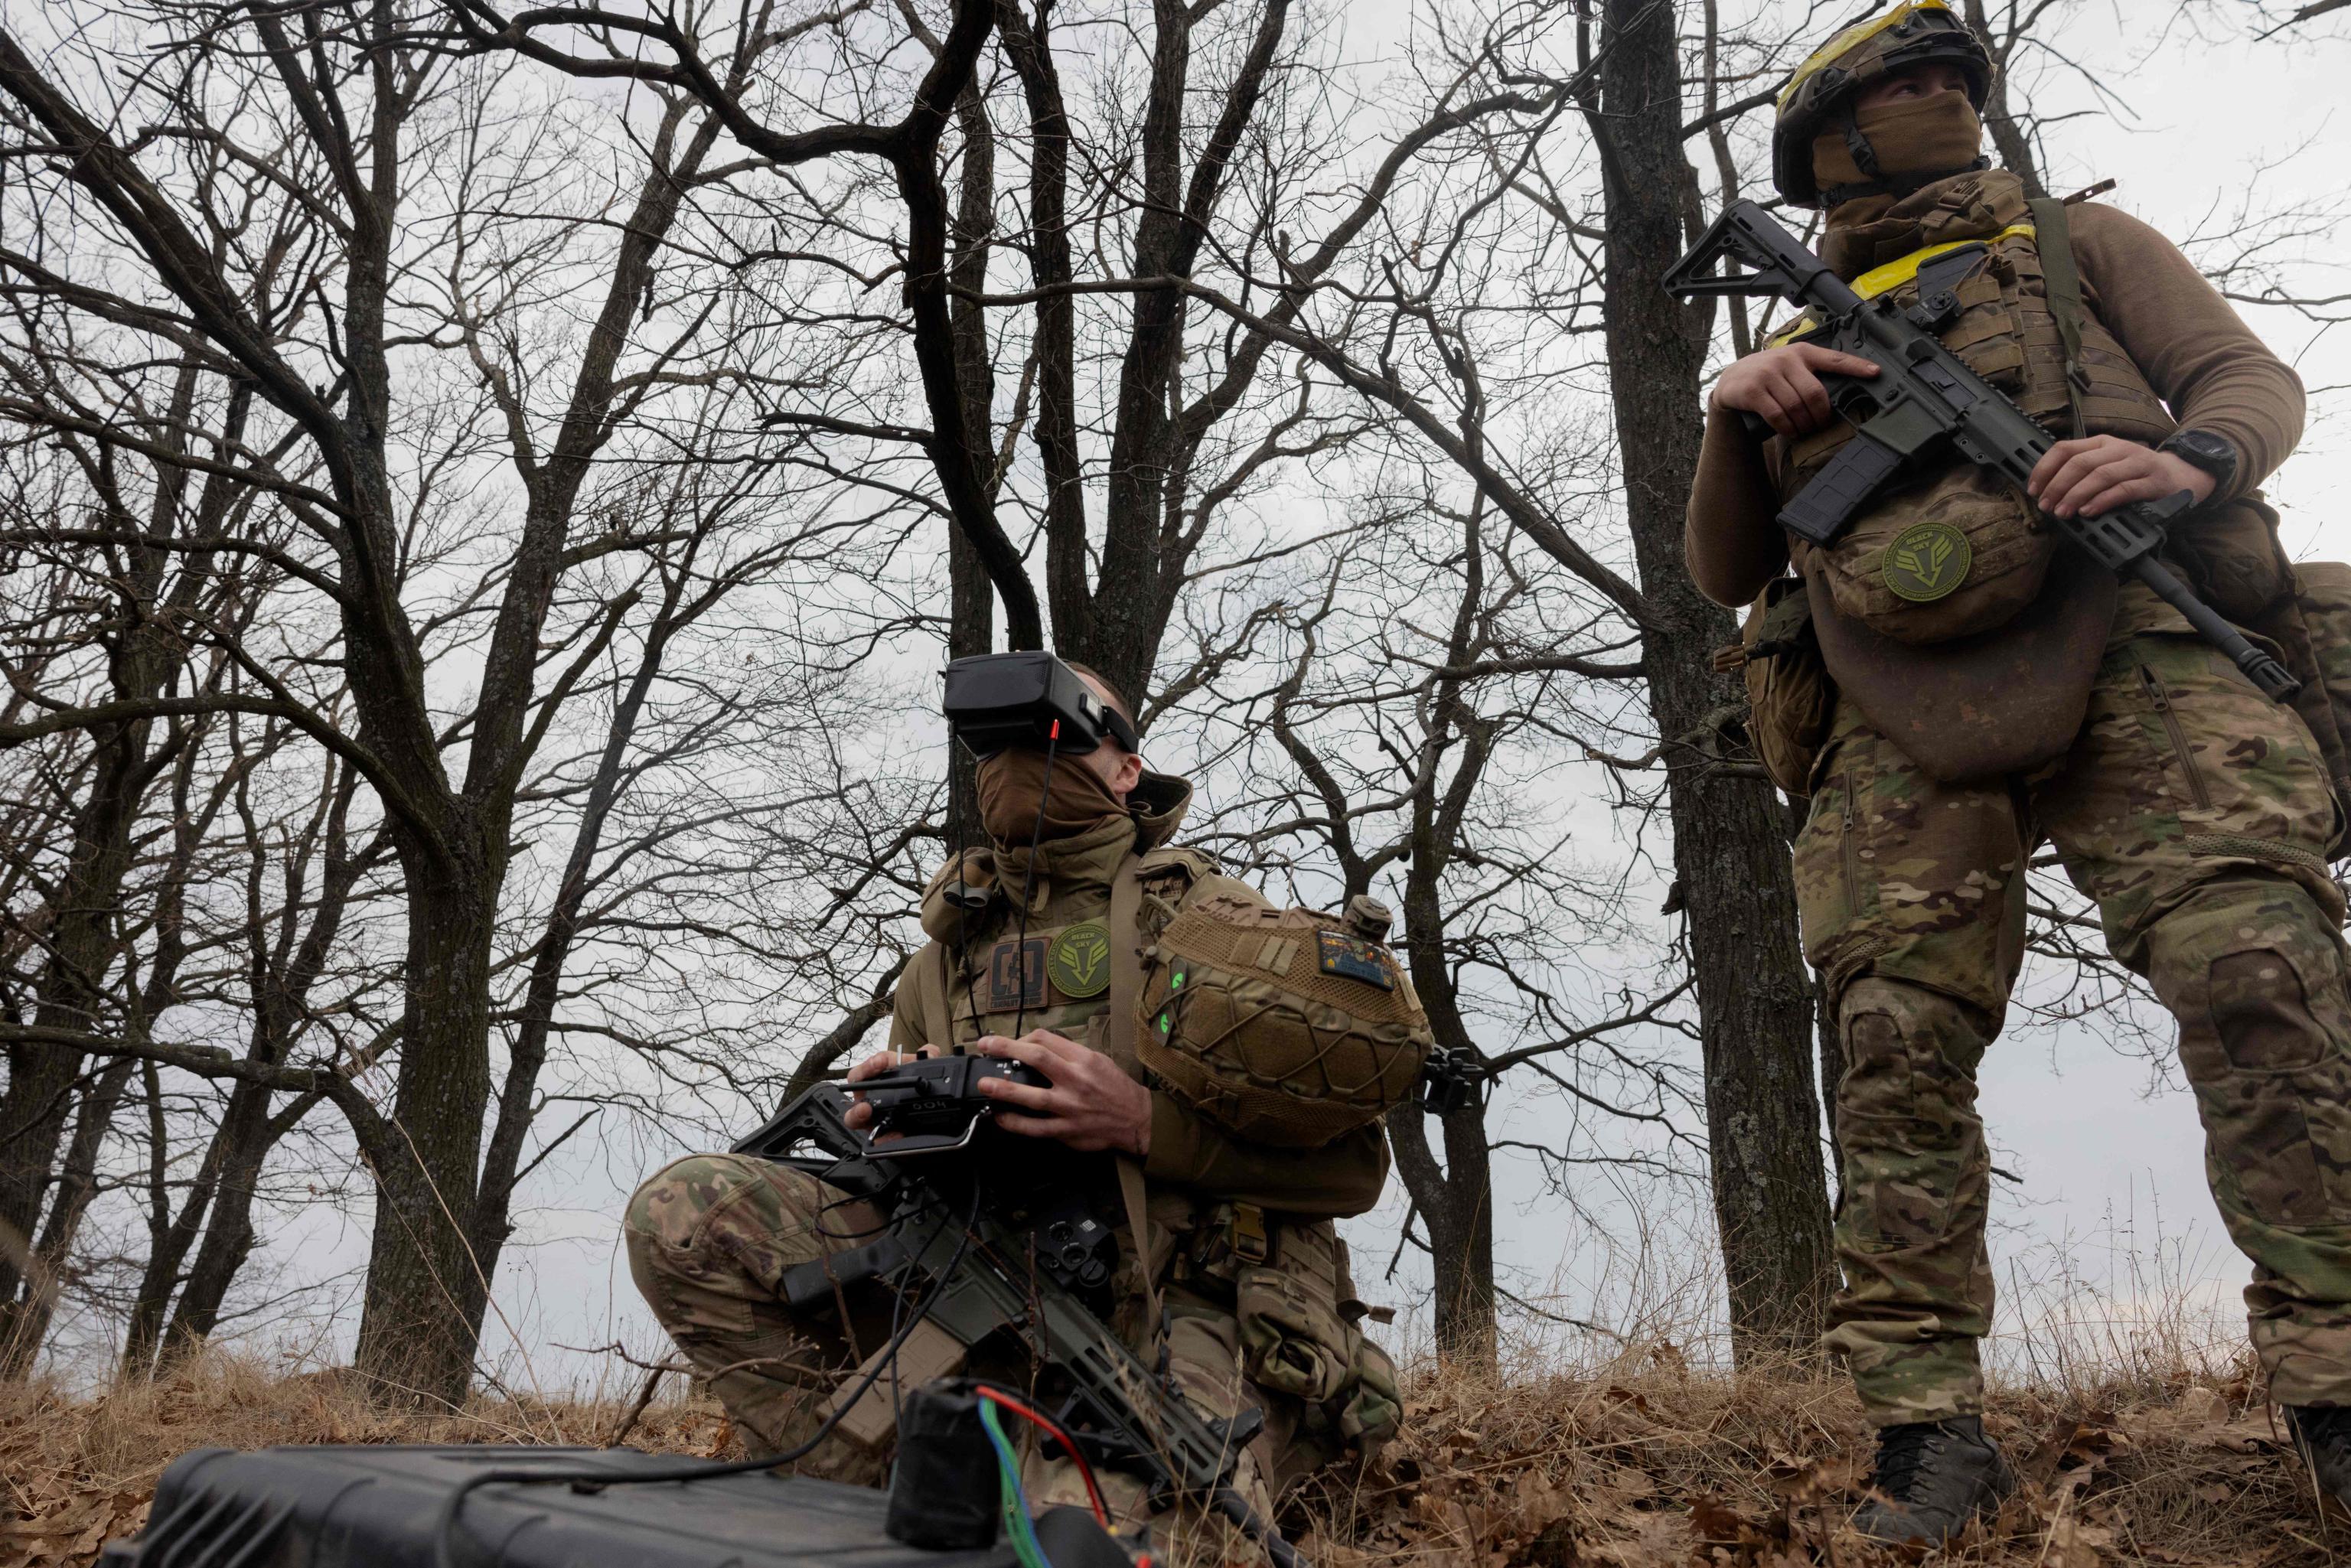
(998, 701)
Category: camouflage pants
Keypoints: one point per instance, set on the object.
(709, 1238)
(2197, 815)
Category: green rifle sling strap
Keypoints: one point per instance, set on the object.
(2053, 238)
(1118, 1036)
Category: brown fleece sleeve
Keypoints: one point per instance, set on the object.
(1729, 538)
(908, 1030)
(1342, 1177)
(916, 1019)
(2194, 350)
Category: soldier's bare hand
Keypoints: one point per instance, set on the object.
(2098, 473)
(1783, 385)
(860, 1112)
(1092, 1104)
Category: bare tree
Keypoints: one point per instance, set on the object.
(325, 116)
(130, 526)
(1402, 749)
(299, 878)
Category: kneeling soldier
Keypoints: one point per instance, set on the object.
(1227, 1234)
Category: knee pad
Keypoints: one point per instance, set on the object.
(1900, 1028)
(2254, 971)
(671, 1204)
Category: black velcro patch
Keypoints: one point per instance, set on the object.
(1007, 975)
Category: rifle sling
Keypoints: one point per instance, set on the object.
(1118, 1040)
(2054, 237)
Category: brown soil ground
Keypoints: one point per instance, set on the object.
(1648, 1464)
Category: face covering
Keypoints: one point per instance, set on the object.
(1012, 782)
(1934, 136)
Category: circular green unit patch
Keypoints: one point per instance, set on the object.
(1079, 961)
(1927, 562)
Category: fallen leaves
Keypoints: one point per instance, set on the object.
(1662, 1467)
(1670, 1469)
(59, 1524)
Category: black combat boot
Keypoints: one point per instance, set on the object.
(1932, 1477)
(2323, 1434)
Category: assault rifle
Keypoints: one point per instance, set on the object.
(1925, 401)
(992, 1240)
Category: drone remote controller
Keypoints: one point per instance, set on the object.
(937, 1096)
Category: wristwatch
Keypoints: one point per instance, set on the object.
(2209, 451)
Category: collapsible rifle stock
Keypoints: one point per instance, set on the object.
(1924, 403)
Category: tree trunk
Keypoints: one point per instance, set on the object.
(39, 1099)
(228, 1241)
(168, 1244)
(1754, 997)
(76, 1187)
(1457, 1206)
(416, 1332)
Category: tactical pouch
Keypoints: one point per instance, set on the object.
(1298, 1318)
(1957, 555)
(1225, 1238)
(1791, 701)
(2231, 555)
(2313, 632)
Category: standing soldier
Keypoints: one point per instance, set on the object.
(1227, 1234)
(2195, 810)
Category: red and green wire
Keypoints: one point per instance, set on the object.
(1017, 1524)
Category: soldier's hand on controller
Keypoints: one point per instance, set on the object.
(2098, 473)
(1783, 385)
(1092, 1104)
(859, 1114)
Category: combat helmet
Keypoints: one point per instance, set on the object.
(1819, 96)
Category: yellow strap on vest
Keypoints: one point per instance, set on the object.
(1883, 279)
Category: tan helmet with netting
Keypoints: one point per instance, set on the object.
(1280, 1025)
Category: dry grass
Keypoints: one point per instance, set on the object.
(75, 1473)
(1656, 1465)
(1639, 1462)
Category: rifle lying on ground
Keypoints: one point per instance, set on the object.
(1924, 398)
(987, 1238)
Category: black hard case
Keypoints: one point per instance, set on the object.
(381, 1508)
